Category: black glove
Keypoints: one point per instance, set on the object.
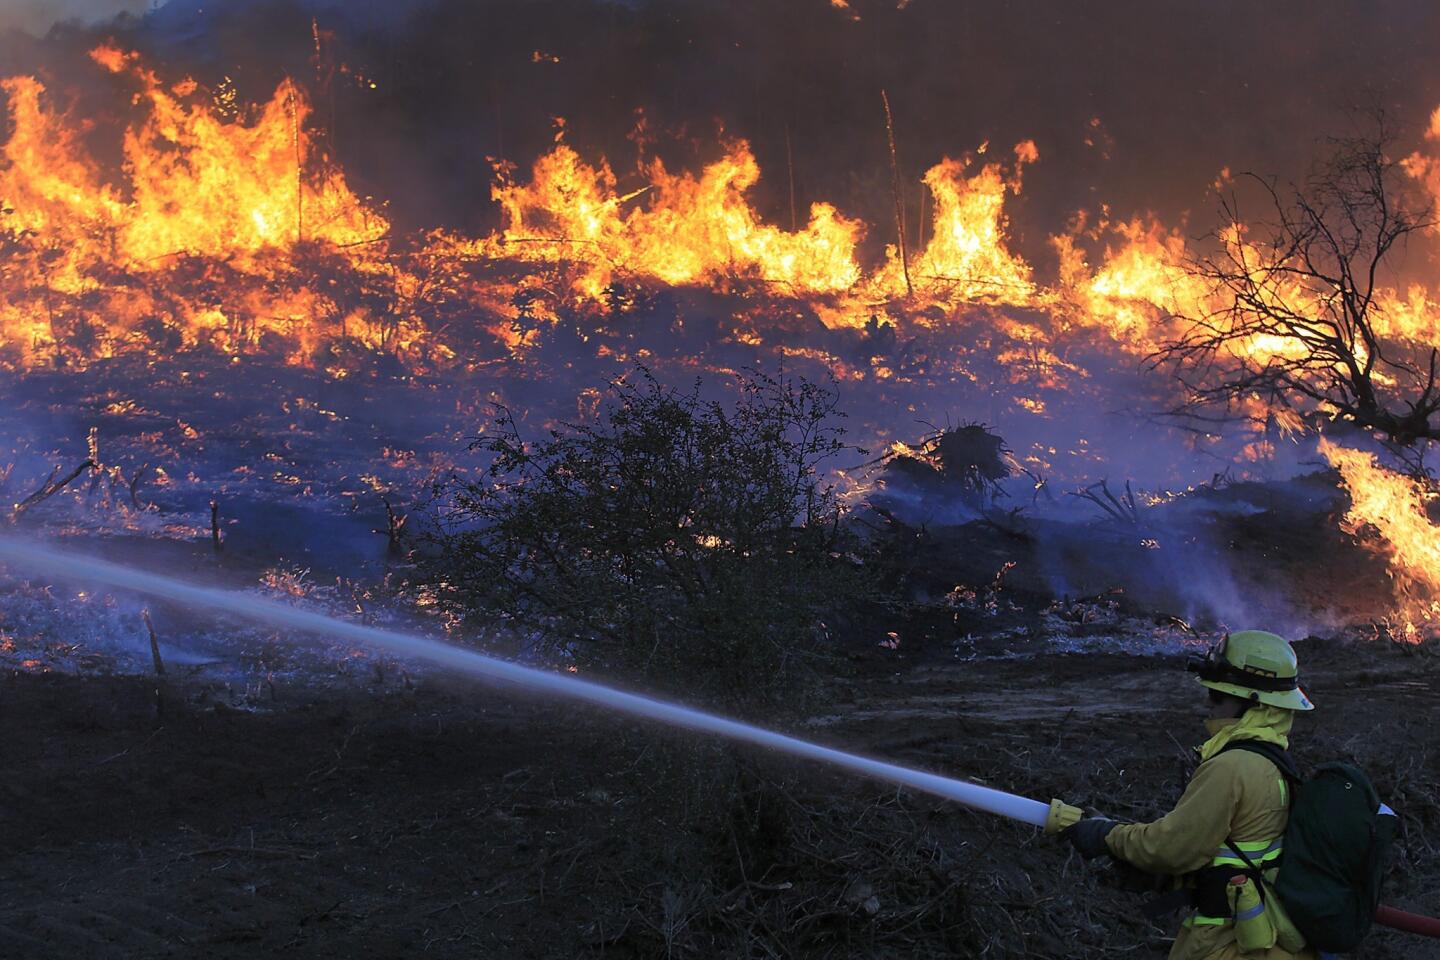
(1088, 836)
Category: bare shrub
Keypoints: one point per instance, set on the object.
(686, 542)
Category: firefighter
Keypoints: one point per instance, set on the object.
(1231, 818)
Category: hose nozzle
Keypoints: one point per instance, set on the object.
(1061, 817)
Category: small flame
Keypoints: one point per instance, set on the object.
(1397, 507)
(967, 257)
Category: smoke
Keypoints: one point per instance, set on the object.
(38, 16)
(1129, 107)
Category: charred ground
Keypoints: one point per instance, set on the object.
(393, 814)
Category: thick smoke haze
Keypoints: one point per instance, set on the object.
(1132, 104)
(38, 16)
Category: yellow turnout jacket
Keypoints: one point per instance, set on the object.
(1237, 796)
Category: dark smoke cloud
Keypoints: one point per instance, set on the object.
(1132, 103)
(38, 16)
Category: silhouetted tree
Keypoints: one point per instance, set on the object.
(1298, 318)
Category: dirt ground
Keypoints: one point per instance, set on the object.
(452, 819)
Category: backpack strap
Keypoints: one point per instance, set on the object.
(1255, 872)
(1276, 754)
(1279, 756)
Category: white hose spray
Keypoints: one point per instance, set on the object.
(1052, 816)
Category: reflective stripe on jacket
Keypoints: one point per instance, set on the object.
(1262, 853)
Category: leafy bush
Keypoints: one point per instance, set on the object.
(686, 542)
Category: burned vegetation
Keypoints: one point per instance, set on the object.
(690, 544)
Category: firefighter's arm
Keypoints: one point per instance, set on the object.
(1187, 837)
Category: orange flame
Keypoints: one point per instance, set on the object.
(967, 257)
(1397, 507)
(239, 203)
(680, 229)
(1141, 285)
(1424, 168)
(196, 184)
(243, 195)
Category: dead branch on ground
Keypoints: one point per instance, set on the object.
(136, 479)
(159, 666)
(1122, 508)
(48, 489)
(394, 526)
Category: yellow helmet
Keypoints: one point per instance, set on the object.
(1257, 666)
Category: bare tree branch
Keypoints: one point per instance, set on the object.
(1298, 308)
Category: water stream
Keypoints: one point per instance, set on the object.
(29, 556)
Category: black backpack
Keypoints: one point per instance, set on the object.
(1336, 850)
